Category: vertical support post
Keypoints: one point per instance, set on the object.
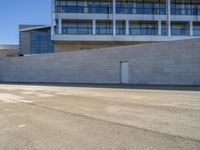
(94, 26)
(191, 28)
(127, 27)
(190, 8)
(134, 7)
(183, 12)
(52, 17)
(60, 26)
(159, 27)
(169, 17)
(85, 7)
(114, 17)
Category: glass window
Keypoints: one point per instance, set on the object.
(77, 27)
(180, 29)
(104, 28)
(41, 41)
(120, 28)
(196, 29)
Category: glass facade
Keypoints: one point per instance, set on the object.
(81, 6)
(196, 29)
(163, 28)
(120, 28)
(143, 25)
(180, 28)
(177, 29)
(190, 7)
(41, 42)
(104, 28)
(141, 7)
(157, 7)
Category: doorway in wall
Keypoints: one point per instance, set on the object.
(124, 72)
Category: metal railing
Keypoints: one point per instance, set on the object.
(76, 30)
(84, 9)
(104, 31)
(143, 31)
(120, 31)
(180, 32)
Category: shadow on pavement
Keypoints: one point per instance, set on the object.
(119, 86)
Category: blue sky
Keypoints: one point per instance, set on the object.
(15, 12)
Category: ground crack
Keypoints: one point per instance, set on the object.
(110, 122)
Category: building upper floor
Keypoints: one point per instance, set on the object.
(125, 30)
(151, 7)
(124, 27)
(125, 20)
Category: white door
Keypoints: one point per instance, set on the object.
(124, 72)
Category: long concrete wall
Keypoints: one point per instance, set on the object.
(171, 63)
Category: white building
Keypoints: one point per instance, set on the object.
(82, 24)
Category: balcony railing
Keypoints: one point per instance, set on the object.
(120, 31)
(76, 30)
(181, 11)
(176, 31)
(180, 32)
(104, 31)
(84, 9)
(196, 32)
(143, 31)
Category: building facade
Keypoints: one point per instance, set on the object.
(35, 39)
(79, 24)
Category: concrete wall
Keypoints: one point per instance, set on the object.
(171, 63)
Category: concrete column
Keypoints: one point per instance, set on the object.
(94, 26)
(169, 17)
(127, 27)
(159, 27)
(53, 24)
(114, 17)
(60, 26)
(191, 28)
